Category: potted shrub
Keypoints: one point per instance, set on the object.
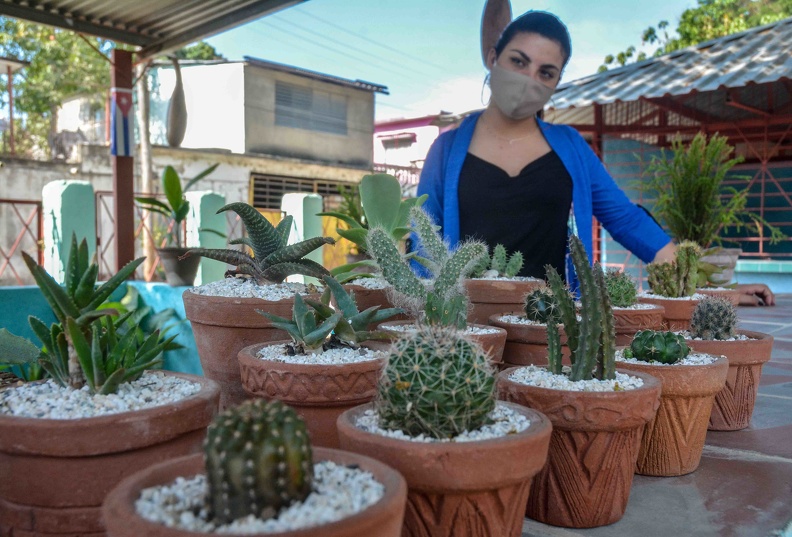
(175, 208)
(629, 316)
(259, 475)
(713, 329)
(598, 414)
(468, 460)
(674, 440)
(329, 366)
(495, 287)
(440, 299)
(673, 286)
(223, 314)
(65, 442)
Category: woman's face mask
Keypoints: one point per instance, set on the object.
(517, 96)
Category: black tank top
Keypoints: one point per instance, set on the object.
(527, 213)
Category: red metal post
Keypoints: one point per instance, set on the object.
(11, 110)
(123, 174)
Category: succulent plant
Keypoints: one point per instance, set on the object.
(592, 338)
(540, 304)
(621, 288)
(652, 346)
(499, 264)
(714, 318)
(442, 299)
(258, 459)
(677, 278)
(437, 383)
(273, 258)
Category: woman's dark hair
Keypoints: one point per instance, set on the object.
(537, 22)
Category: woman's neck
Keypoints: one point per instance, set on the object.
(496, 121)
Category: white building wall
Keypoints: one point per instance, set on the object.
(405, 156)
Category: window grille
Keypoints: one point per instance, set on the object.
(268, 190)
(305, 108)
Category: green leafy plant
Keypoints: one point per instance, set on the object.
(653, 346)
(690, 197)
(621, 288)
(176, 207)
(441, 299)
(273, 259)
(500, 264)
(679, 277)
(437, 383)
(258, 460)
(592, 337)
(540, 305)
(714, 318)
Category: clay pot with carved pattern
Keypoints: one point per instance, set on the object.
(318, 392)
(678, 311)
(734, 404)
(459, 489)
(630, 321)
(593, 449)
(526, 343)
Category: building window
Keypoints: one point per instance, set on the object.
(305, 108)
(268, 190)
(398, 141)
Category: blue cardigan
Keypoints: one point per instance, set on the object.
(594, 193)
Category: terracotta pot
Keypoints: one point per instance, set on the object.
(223, 326)
(673, 441)
(678, 311)
(725, 258)
(488, 297)
(319, 393)
(55, 473)
(178, 272)
(383, 518)
(459, 489)
(733, 295)
(596, 436)
(630, 321)
(526, 344)
(734, 404)
(492, 343)
(366, 298)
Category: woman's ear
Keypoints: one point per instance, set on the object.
(491, 56)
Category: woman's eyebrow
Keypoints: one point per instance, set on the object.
(528, 60)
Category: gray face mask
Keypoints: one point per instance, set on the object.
(516, 95)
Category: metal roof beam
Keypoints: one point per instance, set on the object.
(669, 104)
(731, 100)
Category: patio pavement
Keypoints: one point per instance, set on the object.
(743, 487)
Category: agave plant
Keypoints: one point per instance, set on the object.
(273, 258)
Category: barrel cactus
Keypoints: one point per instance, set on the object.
(539, 305)
(437, 383)
(662, 347)
(621, 288)
(258, 460)
(714, 318)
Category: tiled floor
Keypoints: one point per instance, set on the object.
(743, 487)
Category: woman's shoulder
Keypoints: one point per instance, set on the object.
(561, 130)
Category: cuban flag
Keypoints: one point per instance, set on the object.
(121, 135)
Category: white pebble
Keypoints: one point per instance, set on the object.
(539, 376)
(372, 283)
(469, 330)
(243, 288)
(277, 353)
(694, 358)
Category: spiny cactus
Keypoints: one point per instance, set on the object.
(677, 278)
(621, 288)
(273, 258)
(499, 264)
(540, 304)
(442, 300)
(258, 459)
(652, 346)
(437, 383)
(714, 318)
(592, 338)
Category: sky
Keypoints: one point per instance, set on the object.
(427, 52)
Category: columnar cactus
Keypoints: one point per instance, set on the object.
(679, 277)
(539, 305)
(652, 346)
(499, 264)
(258, 460)
(437, 383)
(714, 318)
(621, 288)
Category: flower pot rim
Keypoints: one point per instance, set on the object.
(251, 350)
(648, 384)
(754, 337)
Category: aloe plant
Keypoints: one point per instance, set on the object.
(273, 258)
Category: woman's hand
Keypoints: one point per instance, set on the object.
(755, 294)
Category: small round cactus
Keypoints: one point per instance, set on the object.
(540, 304)
(621, 288)
(714, 318)
(437, 383)
(258, 460)
(652, 346)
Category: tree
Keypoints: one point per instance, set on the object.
(199, 51)
(709, 20)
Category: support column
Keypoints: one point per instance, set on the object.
(11, 111)
(123, 173)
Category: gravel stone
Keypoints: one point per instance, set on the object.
(519, 319)
(372, 283)
(539, 376)
(638, 306)
(468, 331)
(686, 334)
(243, 288)
(695, 296)
(277, 353)
(694, 358)
(508, 279)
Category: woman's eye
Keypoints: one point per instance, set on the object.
(547, 75)
(518, 62)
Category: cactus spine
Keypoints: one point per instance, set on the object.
(540, 304)
(621, 288)
(437, 383)
(258, 460)
(677, 278)
(714, 318)
(652, 346)
(500, 264)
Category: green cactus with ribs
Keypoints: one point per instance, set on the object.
(437, 383)
(679, 277)
(714, 318)
(654, 346)
(540, 305)
(258, 460)
(621, 288)
(500, 264)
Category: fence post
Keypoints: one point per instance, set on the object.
(203, 215)
(303, 207)
(68, 207)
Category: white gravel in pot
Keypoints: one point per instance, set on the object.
(519, 319)
(245, 288)
(506, 422)
(540, 377)
(278, 353)
(694, 358)
(47, 400)
(338, 492)
(469, 330)
(695, 296)
(371, 283)
(686, 334)
(507, 278)
(638, 306)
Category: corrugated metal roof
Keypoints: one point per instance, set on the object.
(153, 25)
(756, 56)
(359, 84)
